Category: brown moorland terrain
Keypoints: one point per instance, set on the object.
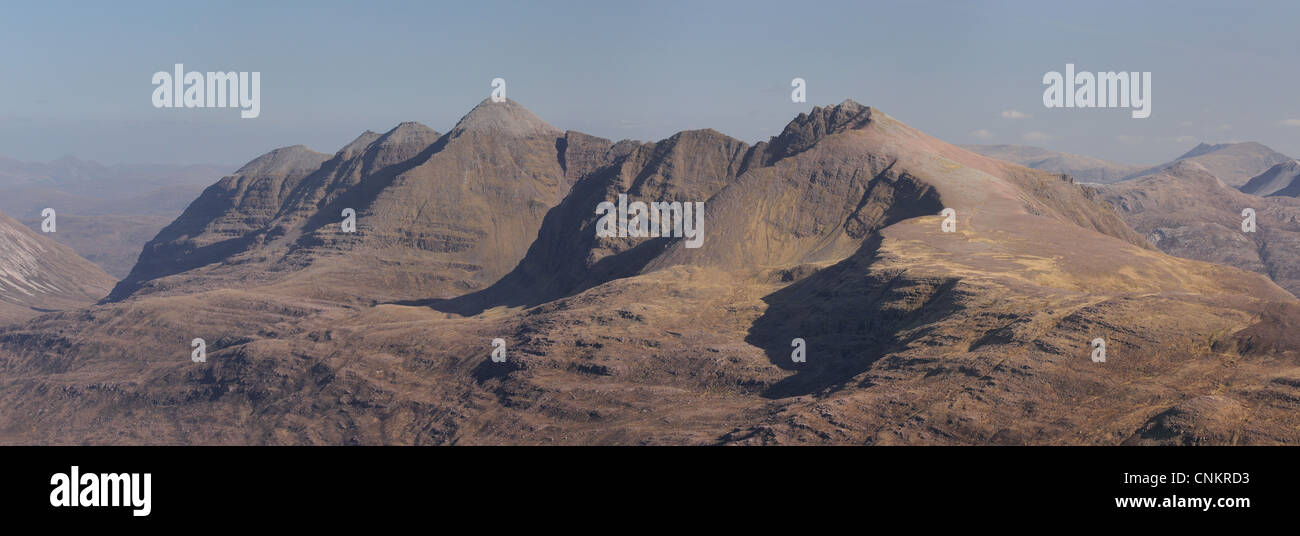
(829, 232)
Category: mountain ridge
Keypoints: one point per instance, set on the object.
(829, 233)
(1282, 179)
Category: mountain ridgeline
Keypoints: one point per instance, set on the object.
(973, 327)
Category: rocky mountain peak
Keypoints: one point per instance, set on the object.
(356, 146)
(409, 133)
(1203, 148)
(809, 128)
(284, 161)
(508, 118)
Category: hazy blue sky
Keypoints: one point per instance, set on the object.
(77, 76)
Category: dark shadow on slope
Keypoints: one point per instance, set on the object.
(183, 262)
(849, 317)
(519, 289)
(556, 264)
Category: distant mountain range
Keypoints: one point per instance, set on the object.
(921, 325)
(1082, 168)
(1233, 163)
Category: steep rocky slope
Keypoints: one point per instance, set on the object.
(435, 215)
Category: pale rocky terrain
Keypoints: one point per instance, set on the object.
(829, 232)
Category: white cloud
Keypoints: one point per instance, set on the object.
(1014, 114)
(1289, 122)
(982, 134)
(1036, 136)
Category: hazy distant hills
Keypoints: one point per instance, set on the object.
(39, 275)
(105, 213)
(1082, 168)
(1233, 163)
(828, 233)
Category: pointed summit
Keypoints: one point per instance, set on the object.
(409, 132)
(402, 142)
(508, 118)
(356, 146)
(807, 129)
(1202, 148)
